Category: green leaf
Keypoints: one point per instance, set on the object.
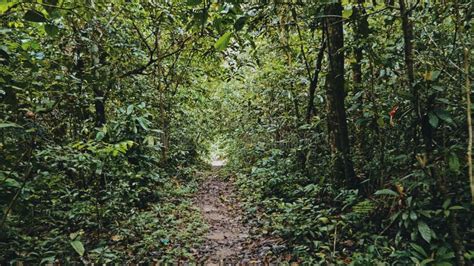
(415, 260)
(34, 16)
(51, 29)
(426, 261)
(433, 119)
(240, 23)
(324, 220)
(25, 45)
(5, 125)
(386, 192)
(47, 260)
(435, 74)
(223, 41)
(130, 109)
(404, 215)
(446, 203)
(143, 122)
(149, 140)
(444, 263)
(444, 115)
(94, 48)
(100, 135)
(78, 247)
(425, 231)
(419, 249)
(447, 256)
(381, 122)
(4, 5)
(346, 13)
(453, 162)
(10, 182)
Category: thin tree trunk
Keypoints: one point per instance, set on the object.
(337, 124)
(361, 28)
(407, 28)
(457, 243)
(164, 125)
(361, 31)
(314, 81)
(99, 104)
(467, 65)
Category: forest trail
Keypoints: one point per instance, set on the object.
(228, 239)
(220, 208)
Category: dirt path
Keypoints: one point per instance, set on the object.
(229, 239)
(227, 234)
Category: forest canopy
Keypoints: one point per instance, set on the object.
(345, 129)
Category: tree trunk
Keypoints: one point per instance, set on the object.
(361, 30)
(99, 104)
(314, 81)
(337, 124)
(407, 28)
(164, 125)
(467, 66)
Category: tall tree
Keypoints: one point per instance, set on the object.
(361, 31)
(337, 124)
(314, 81)
(407, 28)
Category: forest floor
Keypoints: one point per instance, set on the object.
(230, 238)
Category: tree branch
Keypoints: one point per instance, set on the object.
(151, 61)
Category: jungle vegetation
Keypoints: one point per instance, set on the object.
(346, 125)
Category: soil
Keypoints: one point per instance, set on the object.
(229, 239)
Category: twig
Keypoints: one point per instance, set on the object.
(447, 58)
(143, 39)
(139, 70)
(306, 63)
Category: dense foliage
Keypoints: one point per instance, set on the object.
(346, 125)
(411, 201)
(101, 123)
